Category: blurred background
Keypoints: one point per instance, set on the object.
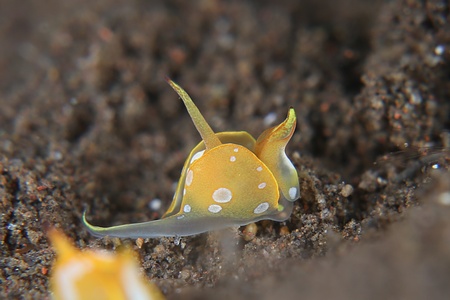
(87, 120)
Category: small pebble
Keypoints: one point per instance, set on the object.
(284, 230)
(139, 242)
(270, 118)
(439, 50)
(185, 274)
(116, 242)
(249, 232)
(159, 249)
(347, 190)
(155, 204)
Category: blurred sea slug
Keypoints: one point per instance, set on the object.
(96, 274)
(228, 179)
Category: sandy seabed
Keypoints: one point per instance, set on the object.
(87, 120)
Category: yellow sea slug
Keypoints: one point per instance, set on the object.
(97, 275)
(228, 179)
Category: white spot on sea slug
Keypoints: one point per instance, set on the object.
(233, 158)
(180, 217)
(262, 185)
(70, 273)
(222, 195)
(132, 283)
(214, 208)
(187, 208)
(197, 156)
(261, 208)
(184, 192)
(259, 169)
(189, 177)
(292, 192)
(236, 150)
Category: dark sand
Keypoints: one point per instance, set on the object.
(86, 119)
